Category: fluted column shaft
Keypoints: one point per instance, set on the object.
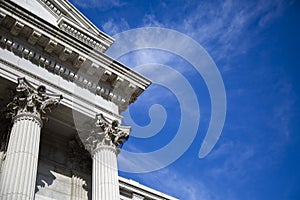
(105, 184)
(20, 167)
(104, 141)
(27, 110)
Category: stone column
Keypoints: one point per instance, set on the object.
(104, 142)
(20, 167)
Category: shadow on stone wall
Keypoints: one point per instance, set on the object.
(64, 169)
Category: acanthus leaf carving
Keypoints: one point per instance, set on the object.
(104, 133)
(32, 100)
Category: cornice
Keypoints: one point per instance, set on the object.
(137, 188)
(72, 100)
(52, 7)
(84, 36)
(78, 26)
(56, 68)
(52, 49)
(64, 7)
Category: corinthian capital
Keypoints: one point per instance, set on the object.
(32, 100)
(104, 133)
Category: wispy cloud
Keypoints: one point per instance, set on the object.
(229, 28)
(171, 182)
(283, 111)
(226, 29)
(113, 27)
(234, 166)
(102, 5)
(150, 20)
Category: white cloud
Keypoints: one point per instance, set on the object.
(150, 20)
(102, 5)
(222, 28)
(236, 159)
(112, 27)
(225, 28)
(172, 182)
(283, 110)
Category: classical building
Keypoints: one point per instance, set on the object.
(60, 98)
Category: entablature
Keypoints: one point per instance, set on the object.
(78, 25)
(49, 47)
(84, 36)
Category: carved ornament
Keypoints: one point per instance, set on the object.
(106, 134)
(30, 100)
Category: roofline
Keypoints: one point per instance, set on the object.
(73, 11)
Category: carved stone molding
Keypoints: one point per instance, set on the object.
(106, 135)
(57, 50)
(118, 96)
(32, 103)
(77, 32)
(52, 7)
(77, 25)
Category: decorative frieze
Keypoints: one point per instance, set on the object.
(79, 35)
(34, 37)
(50, 46)
(16, 28)
(52, 7)
(78, 61)
(64, 56)
(113, 95)
(70, 21)
(62, 71)
(82, 35)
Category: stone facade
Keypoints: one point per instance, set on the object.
(61, 99)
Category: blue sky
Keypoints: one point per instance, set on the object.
(254, 45)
